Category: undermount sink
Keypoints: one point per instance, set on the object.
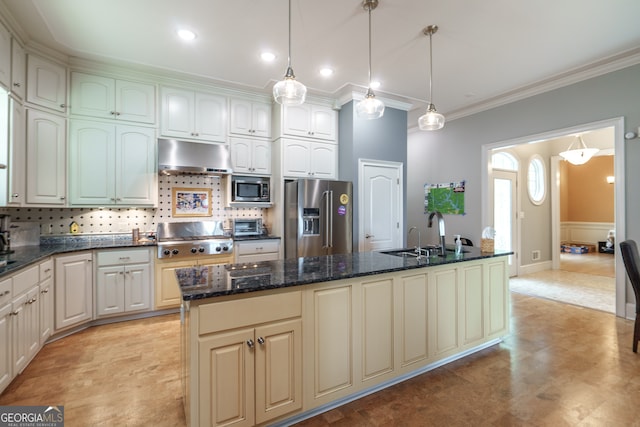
(411, 252)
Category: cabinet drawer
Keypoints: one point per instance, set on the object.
(225, 315)
(5, 291)
(46, 269)
(26, 279)
(131, 256)
(259, 246)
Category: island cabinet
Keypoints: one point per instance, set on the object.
(249, 357)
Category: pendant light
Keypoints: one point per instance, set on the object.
(370, 108)
(580, 155)
(289, 91)
(431, 120)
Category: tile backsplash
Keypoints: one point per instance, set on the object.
(56, 221)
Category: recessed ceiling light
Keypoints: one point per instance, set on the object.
(268, 56)
(186, 35)
(326, 72)
(375, 84)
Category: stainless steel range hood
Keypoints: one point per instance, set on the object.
(177, 157)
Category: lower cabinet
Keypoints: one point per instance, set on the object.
(256, 250)
(251, 374)
(46, 301)
(73, 290)
(5, 334)
(123, 281)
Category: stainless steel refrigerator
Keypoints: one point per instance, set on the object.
(318, 218)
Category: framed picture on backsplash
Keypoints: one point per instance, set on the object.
(188, 202)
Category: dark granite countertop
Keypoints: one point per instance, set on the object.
(260, 237)
(213, 281)
(24, 256)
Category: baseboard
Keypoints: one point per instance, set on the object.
(534, 268)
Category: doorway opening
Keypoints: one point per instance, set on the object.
(538, 242)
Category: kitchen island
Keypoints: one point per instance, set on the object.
(279, 341)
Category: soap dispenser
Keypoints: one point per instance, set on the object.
(458, 242)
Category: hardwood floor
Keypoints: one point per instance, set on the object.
(561, 365)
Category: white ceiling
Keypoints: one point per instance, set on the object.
(484, 51)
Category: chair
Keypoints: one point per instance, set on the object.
(629, 251)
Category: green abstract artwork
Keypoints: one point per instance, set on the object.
(447, 198)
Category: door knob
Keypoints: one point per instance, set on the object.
(366, 236)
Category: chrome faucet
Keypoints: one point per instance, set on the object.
(443, 250)
(418, 249)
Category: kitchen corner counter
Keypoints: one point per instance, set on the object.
(204, 282)
(24, 256)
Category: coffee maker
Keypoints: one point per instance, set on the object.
(5, 236)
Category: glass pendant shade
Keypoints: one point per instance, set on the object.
(289, 91)
(578, 156)
(370, 108)
(431, 120)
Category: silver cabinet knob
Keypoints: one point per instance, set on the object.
(17, 84)
(250, 343)
(260, 340)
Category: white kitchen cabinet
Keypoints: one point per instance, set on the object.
(46, 158)
(18, 69)
(303, 159)
(16, 185)
(309, 121)
(6, 342)
(74, 290)
(46, 320)
(413, 309)
(376, 330)
(46, 83)
(256, 250)
(123, 281)
(5, 57)
(111, 164)
(108, 98)
(249, 118)
(24, 321)
(253, 373)
(193, 115)
(443, 312)
(251, 156)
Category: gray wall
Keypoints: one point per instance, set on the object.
(454, 153)
(381, 139)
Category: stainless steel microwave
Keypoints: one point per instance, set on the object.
(250, 189)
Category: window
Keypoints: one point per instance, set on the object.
(505, 161)
(536, 180)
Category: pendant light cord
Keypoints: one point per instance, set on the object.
(430, 67)
(369, 46)
(289, 57)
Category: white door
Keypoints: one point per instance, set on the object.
(380, 205)
(504, 214)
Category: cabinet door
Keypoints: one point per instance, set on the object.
(33, 322)
(332, 354)
(377, 329)
(46, 309)
(135, 102)
(18, 70)
(226, 379)
(471, 302)
(6, 346)
(46, 158)
(323, 123)
(323, 161)
(177, 113)
(240, 117)
(91, 163)
(297, 120)
(261, 157)
(5, 57)
(296, 158)
(74, 290)
(92, 96)
(136, 287)
(19, 334)
(110, 290)
(135, 168)
(261, 120)
(443, 312)
(413, 309)
(497, 298)
(211, 117)
(278, 369)
(46, 83)
(241, 154)
(17, 155)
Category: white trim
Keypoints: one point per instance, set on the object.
(620, 202)
(534, 268)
